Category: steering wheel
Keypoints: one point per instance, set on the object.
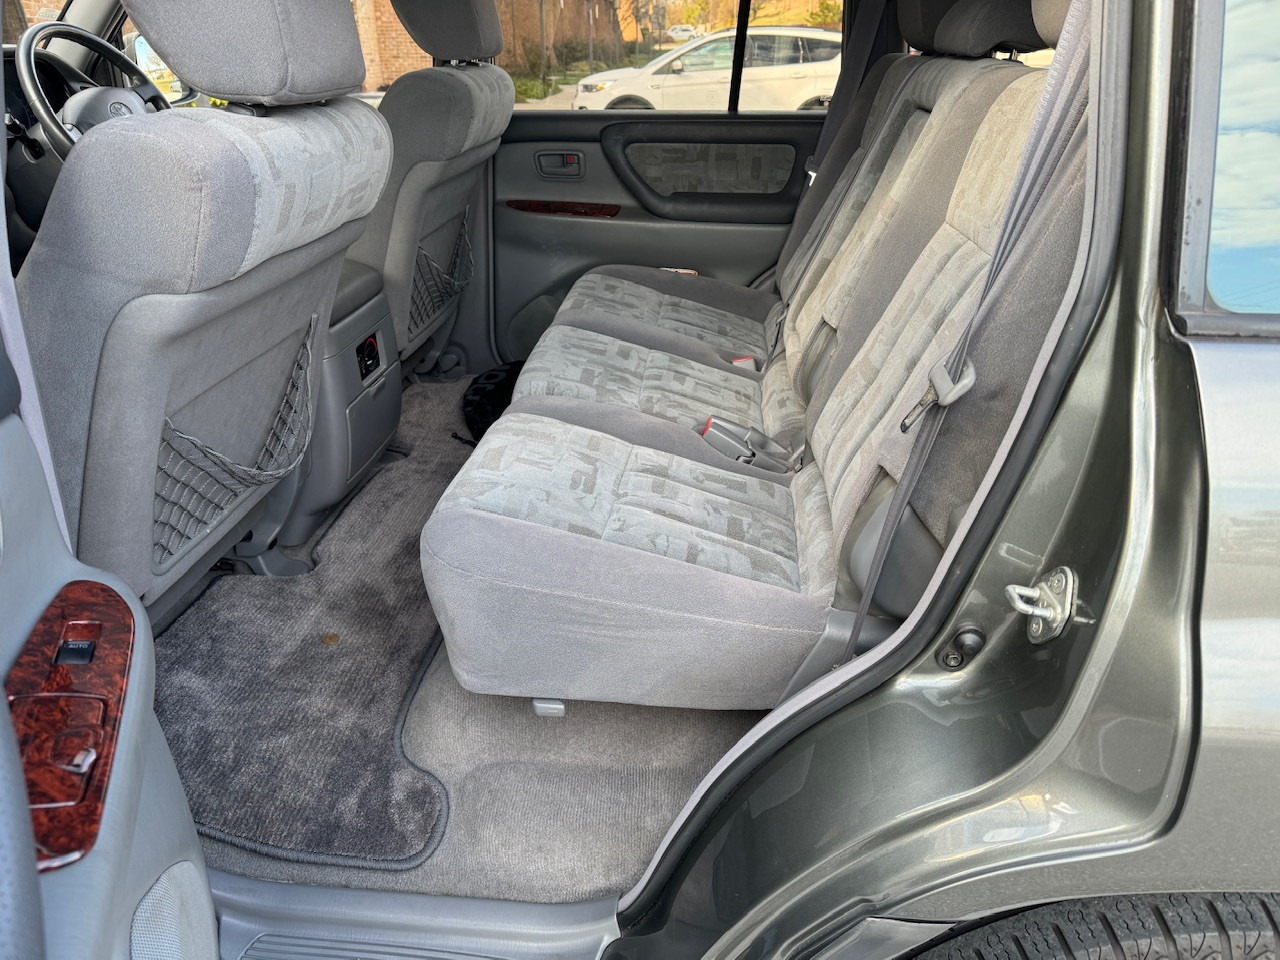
(92, 104)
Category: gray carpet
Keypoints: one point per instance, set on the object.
(540, 810)
(282, 699)
(301, 765)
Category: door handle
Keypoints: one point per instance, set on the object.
(559, 164)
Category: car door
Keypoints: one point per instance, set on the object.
(715, 194)
(99, 842)
(775, 76)
(101, 827)
(699, 79)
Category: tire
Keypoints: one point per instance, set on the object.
(813, 104)
(1180, 926)
(630, 103)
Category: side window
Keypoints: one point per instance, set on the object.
(713, 55)
(1244, 229)
(636, 54)
(806, 82)
(822, 50)
(775, 50)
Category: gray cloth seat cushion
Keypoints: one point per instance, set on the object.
(586, 365)
(627, 561)
(632, 301)
(662, 343)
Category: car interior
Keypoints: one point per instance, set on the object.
(486, 475)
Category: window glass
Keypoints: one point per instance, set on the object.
(823, 49)
(774, 50)
(712, 55)
(617, 54)
(1244, 233)
(808, 83)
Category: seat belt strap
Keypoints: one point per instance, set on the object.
(1057, 117)
(15, 344)
(853, 70)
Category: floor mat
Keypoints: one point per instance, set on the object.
(283, 699)
(540, 809)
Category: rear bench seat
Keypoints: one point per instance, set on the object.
(671, 345)
(595, 547)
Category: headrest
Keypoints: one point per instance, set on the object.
(1050, 15)
(453, 29)
(270, 52)
(973, 28)
(918, 21)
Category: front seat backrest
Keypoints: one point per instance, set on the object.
(446, 122)
(184, 266)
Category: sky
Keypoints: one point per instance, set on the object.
(1244, 253)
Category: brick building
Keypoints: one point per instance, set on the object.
(616, 27)
(389, 52)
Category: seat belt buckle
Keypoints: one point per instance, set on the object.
(811, 168)
(747, 445)
(686, 271)
(746, 363)
(942, 391)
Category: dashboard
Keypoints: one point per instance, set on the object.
(55, 76)
(32, 169)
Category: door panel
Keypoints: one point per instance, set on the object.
(548, 231)
(130, 862)
(728, 170)
(671, 168)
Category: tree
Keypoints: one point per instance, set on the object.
(694, 12)
(828, 13)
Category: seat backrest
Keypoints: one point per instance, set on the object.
(446, 122)
(891, 326)
(854, 130)
(184, 266)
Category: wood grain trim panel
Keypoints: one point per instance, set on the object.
(62, 711)
(566, 208)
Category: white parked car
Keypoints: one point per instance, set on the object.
(682, 32)
(787, 68)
